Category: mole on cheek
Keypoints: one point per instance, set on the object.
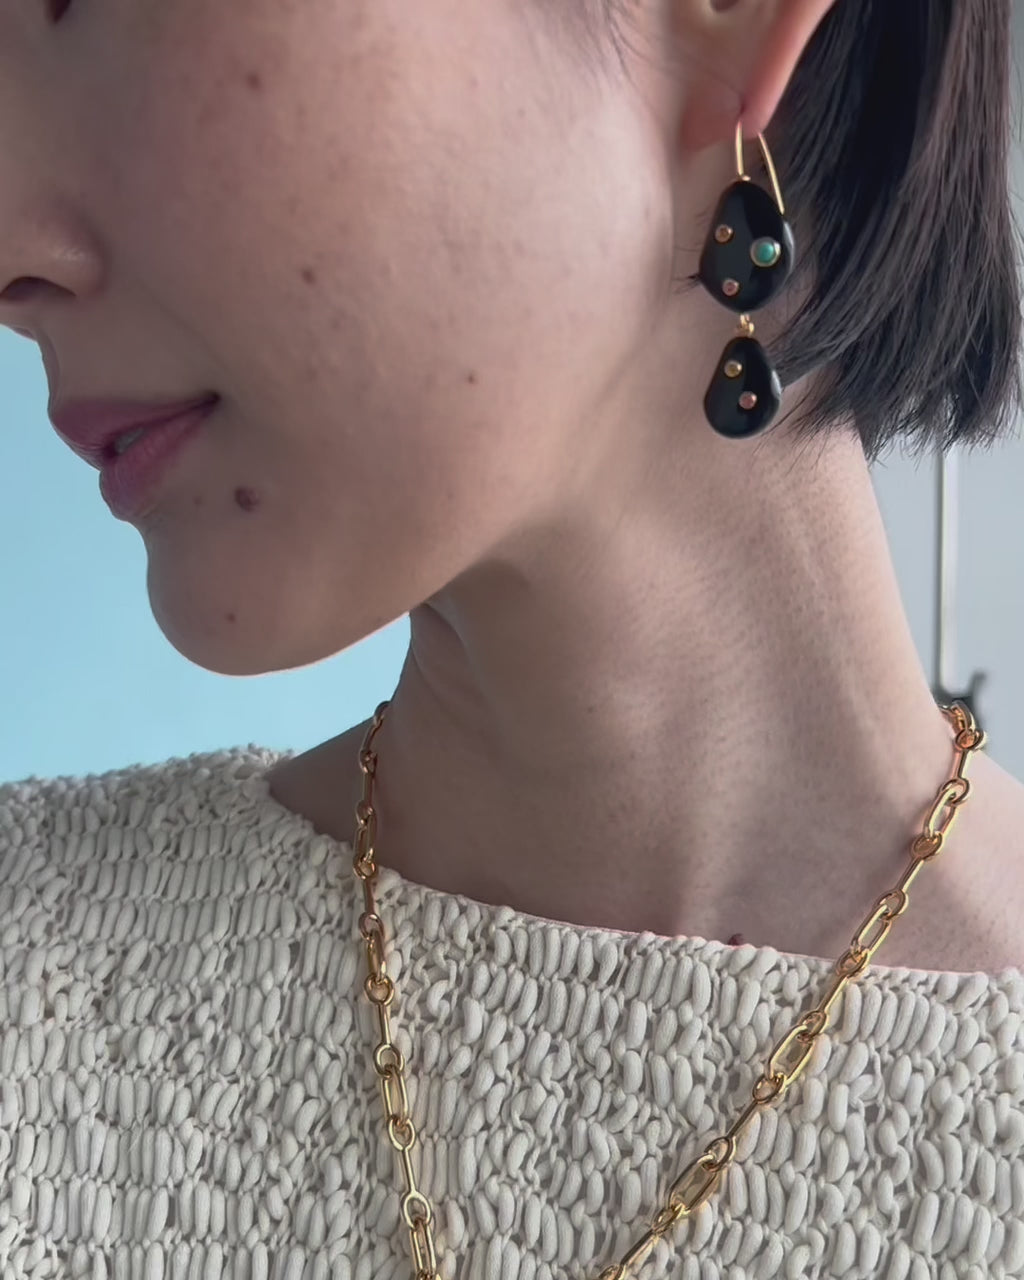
(254, 80)
(247, 499)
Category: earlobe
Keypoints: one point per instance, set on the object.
(711, 114)
(741, 56)
(794, 24)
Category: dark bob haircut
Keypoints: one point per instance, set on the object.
(892, 143)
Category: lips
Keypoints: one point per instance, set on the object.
(90, 427)
(132, 482)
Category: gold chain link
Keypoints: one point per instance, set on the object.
(788, 1058)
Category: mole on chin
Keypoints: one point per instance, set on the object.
(247, 499)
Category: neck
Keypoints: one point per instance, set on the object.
(709, 724)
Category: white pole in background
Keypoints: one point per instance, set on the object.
(944, 664)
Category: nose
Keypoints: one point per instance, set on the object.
(52, 250)
(46, 258)
(24, 293)
(24, 300)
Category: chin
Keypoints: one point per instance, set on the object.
(238, 642)
(229, 655)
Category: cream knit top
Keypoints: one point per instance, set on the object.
(187, 1093)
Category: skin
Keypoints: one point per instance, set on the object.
(657, 679)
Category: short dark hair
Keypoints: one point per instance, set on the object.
(894, 139)
(892, 143)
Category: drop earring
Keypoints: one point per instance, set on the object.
(747, 258)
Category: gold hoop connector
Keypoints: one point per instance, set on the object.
(769, 165)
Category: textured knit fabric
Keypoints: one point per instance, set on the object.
(186, 1087)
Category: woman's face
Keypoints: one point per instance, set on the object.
(409, 245)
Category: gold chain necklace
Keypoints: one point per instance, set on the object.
(788, 1058)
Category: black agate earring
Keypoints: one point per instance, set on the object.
(747, 259)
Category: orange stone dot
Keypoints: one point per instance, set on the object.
(748, 400)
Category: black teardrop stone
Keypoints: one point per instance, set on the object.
(752, 213)
(722, 402)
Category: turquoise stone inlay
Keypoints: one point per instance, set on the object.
(766, 251)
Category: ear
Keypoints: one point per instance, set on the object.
(739, 58)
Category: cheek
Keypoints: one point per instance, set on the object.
(366, 227)
(402, 339)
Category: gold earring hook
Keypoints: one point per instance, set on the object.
(768, 163)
